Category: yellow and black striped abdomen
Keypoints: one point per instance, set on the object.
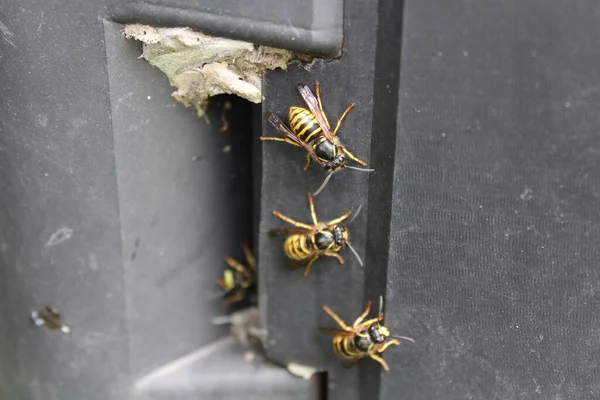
(304, 124)
(344, 347)
(298, 247)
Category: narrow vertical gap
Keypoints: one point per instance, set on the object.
(256, 150)
(235, 118)
(319, 385)
(383, 146)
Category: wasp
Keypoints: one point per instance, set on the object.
(50, 318)
(310, 130)
(239, 281)
(306, 243)
(364, 338)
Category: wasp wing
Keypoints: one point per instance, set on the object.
(52, 311)
(288, 134)
(313, 105)
(249, 256)
(51, 317)
(336, 332)
(287, 231)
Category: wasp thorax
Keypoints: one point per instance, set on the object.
(324, 239)
(326, 151)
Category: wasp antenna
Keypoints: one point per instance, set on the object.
(355, 254)
(380, 304)
(360, 169)
(404, 337)
(327, 178)
(355, 214)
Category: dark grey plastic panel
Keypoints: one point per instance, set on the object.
(307, 26)
(184, 190)
(148, 198)
(177, 186)
(291, 304)
(480, 225)
(57, 174)
(483, 221)
(217, 372)
(497, 170)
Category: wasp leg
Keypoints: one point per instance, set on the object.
(221, 283)
(238, 296)
(313, 214)
(366, 324)
(309, 264)
(339, 122)
(337, 319)
(387, 344)
(308, 159)
(236, 265)
(353, 157)
(249, 256)
(334, 254)
(318, 90)
(380, 361)
(363, 315)
(291, 221)
(339, 220)
(275, 139)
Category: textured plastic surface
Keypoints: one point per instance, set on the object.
(480, 224)
(291, 303)
(307, 26)
(497, 168)
(484, 141)
(183, 190)
(117, 207)
(57, 174)
(217, 372)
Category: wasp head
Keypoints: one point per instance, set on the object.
(340, 235)
(337, 163)
(378, 333)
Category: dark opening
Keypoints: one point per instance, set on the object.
(237, 122)
(319, 383)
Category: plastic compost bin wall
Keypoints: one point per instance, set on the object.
(92, 144)
(483, 134)
(480, 224)
(291, 304)
(313, 26)
(496, 217)
(183, 201)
